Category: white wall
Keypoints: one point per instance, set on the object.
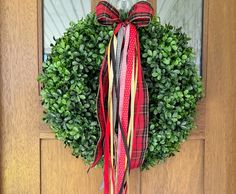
(185, 13)
(58, 14)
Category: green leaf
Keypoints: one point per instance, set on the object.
(102, 50)
(154, 74)
(149, 60)
(154, 54)
(152, 126)
(151, 148)
(184, 57)
(149, 52)
(174, 47)
(82, 97)
(166, 61)
(101, 46)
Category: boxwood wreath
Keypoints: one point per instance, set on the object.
(70, 82)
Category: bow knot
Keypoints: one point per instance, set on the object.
(140, 14)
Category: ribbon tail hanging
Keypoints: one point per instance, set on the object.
(122, 101)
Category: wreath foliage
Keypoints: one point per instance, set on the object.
(70, 82)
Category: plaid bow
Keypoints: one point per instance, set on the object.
(122, 101)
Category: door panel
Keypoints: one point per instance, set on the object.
(63, 173)
(19, 99)
(182, 174)
(220, 144)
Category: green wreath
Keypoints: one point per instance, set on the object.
(70, 82)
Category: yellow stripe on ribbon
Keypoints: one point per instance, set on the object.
(110, 108)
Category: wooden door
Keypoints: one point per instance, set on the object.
(33, 162)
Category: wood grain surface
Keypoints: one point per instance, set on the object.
(220, 144)
(182, 174)
(61, 173)
(19, 124)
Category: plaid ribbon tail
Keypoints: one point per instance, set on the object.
(141, 115)
(101, 112)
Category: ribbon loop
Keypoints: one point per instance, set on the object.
(107, 14)
(141, 14)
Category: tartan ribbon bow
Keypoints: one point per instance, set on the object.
(140, 14)
(122, 101)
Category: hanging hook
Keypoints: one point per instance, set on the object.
(123, 4)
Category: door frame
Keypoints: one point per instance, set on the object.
(20, 123)
(205, 113)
